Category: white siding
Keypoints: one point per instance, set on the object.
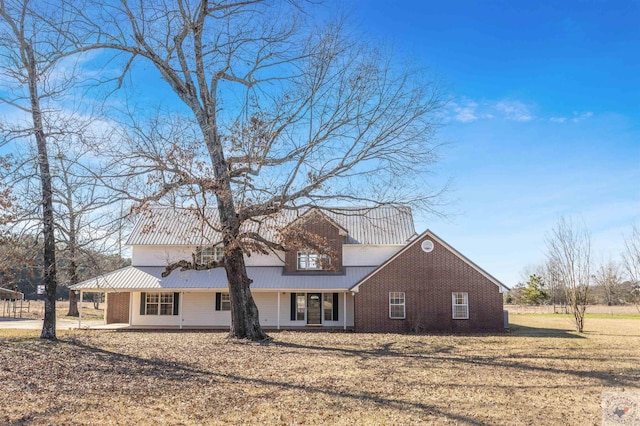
(361, 255)
(163, 255)
(154, 320)
(285, 312)
(199, 310)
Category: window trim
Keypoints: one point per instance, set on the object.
(166, 302)
(223, 302)
(455, 304)
(317, 260)
(216, 255)
(394, 295)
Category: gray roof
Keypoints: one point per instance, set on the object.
(6, 294)
(264, 278)
(375, 226)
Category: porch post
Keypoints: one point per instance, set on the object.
(130, 309)
(344, 311)
(180, 308)
(80, 312)
(278, 312)
(106, 306)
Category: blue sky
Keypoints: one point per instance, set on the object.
(544, 119)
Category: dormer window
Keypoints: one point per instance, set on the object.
(211, 254)
(312, 261)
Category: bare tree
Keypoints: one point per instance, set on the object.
(289, 113)
(607, 277)
(87, 214)
(569, 250)
(631, 261)
(28, 55)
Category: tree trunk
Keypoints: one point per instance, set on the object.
(245, 320)
(50, 282)
(73, 305)
(73, 265)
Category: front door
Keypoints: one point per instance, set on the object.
(314, 309)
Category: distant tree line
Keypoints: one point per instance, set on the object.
(21, 265)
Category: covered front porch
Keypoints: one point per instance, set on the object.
(139, 297)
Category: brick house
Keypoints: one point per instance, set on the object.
(375, 274)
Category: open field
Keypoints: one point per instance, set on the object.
(539, 373)
(36, 310)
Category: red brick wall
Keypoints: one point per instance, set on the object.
(318, 225)
(428, 279)
(118, 307)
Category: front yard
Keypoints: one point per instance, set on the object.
(539, 373)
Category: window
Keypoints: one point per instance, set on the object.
(159, 303)
(211, 254)
(300, 306)
(330, 306)
(460, 305)
(223, 302)
(396, 305)
(312, 261)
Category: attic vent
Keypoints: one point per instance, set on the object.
(427, 246)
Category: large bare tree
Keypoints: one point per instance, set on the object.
(29, 50)
(289, 113)
(569, 250)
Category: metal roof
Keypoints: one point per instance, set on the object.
(6, 294)
(375, 226)
(264, 278)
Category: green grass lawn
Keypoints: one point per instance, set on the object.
(540, 372)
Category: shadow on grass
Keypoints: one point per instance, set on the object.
(132, 366)
(525, 331)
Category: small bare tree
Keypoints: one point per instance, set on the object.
(607, 278)
(631, 262)
(569, 250)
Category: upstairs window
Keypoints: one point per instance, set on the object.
(211, 254)
(396, 305)
(311, 261)
(460, 305)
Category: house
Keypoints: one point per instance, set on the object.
(381, 276)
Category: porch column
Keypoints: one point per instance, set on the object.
(130, 309)
(278, 312)
(180, 307)
(80, 312)
(106, 306)
(344, 310)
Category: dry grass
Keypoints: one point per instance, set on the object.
(539, 373)
(34, 309)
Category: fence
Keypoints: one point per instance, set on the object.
(14, 308)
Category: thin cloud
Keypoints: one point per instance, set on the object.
(575, 118)
(514, 110)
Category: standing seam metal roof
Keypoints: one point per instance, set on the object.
(264, 278)
(375, 226)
